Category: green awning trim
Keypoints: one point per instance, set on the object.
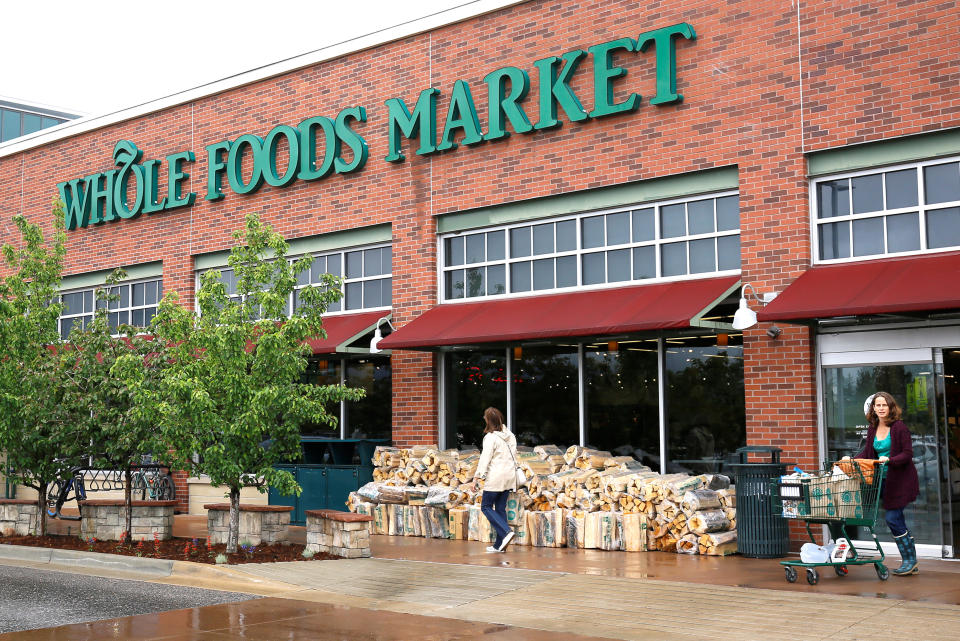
(884, 152)
(641, 191)
(312, 244)
(92, 279)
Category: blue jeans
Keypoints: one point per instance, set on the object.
(494, 507)
(895, 521)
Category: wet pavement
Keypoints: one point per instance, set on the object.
(418, 588)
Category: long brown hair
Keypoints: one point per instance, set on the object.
(895, 412)
(494, 420)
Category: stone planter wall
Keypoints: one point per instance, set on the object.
(105, 519)
(340, 533)
(258, 523)
(19, 516)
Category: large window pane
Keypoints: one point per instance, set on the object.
(644, 262)
(371, 416)
(371, 262)
(644, 225)
(543, 239)
(618, 265)
(354, 296)
(834, 240)
(519, 242)
(323, 372)
(674, 257)
(594, 268)
(621, 400)
(474, 381)
(673, 221)
(546, 407)
(903, 232)
(476, 248)
(9, 124)
(32, 123)
(454, 284)
(593, 232)
(868, 237)
(496, 279)
(354, 264)
(618, 228)
(371, 293)
(700, 216)
(703, 256)
(495, 247)
(833, 198)
(943, 227)
(901, 188)
(543, 274)
(567, 271)
(867, 193)
(728, 213)
(942, 182)
(566, 235)
(520, 280)
(706, 414)
(728, 252)
(475, 284)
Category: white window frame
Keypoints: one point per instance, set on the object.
(342, 253)
(580, 251)
(921, 209)
(129, 308)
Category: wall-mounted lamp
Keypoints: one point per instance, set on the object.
(746, 317)
(377, 336)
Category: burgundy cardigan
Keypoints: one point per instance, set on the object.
(902, 485)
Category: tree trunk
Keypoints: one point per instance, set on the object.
(128, 503)
(234, 533)
(42, 509)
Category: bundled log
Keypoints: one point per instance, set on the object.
(634, 533)
(574, 524)
(386, 456)
(458, 521)
(728, 497)
(676, 488)
(687, 544)
(696, 500)
(602, 531)
(467, 466)
(715, 481)
(552, 455)
(546, 529)
(589, 459)
(709, 521)
(572, 453)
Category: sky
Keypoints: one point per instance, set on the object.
(97, 56)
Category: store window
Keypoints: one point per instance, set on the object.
(132, 304)
(366, 273)
(371, 416)
(15, 123)
(705, 404)
(612, 388)
(904, 209)
(656, 240)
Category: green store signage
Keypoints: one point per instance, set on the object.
(314, 149)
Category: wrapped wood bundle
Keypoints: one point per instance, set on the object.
(411, 521)
(688, 544)
(667, 544)
(438, 523)
(546, 451)
(728, 497)
(520, 536)
(718, 543)
(668, 509)
(570, 456)
(558, 482)
(715, 481)
(591, 459)
(386, 456)
(617, 461)
(696, 500)
(445, 497)
(516, 514)
(381, 519)
(467, 466)
(415, 495)
(415, 452)
(458, 522)
(535, 467)
(602, 531)
(574, 524)
(546, 529)
(676, 488)
(423, 516)
(708, 521)
(731, 514)
(633, 533)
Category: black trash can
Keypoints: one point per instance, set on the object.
(761, 532)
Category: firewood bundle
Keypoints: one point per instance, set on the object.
(579, 497)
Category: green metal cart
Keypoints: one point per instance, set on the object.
(839, 501)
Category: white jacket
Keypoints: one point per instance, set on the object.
(496, 465)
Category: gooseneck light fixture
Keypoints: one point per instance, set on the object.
(378, 336)
(745, 317)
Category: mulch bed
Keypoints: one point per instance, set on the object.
(195, 550)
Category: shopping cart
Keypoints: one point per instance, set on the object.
(840, 496)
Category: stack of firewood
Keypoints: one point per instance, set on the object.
(578, 497)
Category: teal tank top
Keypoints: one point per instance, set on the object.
(882, 447)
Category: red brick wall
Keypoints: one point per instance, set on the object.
(872, 71)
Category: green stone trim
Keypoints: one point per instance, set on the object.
(312, 245)
(689, 184)
(884, 152)
(92, 279)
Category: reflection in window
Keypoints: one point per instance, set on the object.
(706, 412)
(371, 416)
(546, 395)
(321, 371)
(621, 400)
(474, 381)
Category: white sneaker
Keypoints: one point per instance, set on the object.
(491, 549)
(506, 541)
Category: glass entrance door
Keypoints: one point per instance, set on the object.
(950, 390)
(845, 391)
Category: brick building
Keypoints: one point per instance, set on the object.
(557, 206)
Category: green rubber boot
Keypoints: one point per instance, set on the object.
(908, 554)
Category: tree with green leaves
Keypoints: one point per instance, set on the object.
(232, 396)
(99, 404)
(34, 432)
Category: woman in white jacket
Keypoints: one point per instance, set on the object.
(497, 470)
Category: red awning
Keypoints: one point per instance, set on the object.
(601, 312)
(887, 286)
(344, 329)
